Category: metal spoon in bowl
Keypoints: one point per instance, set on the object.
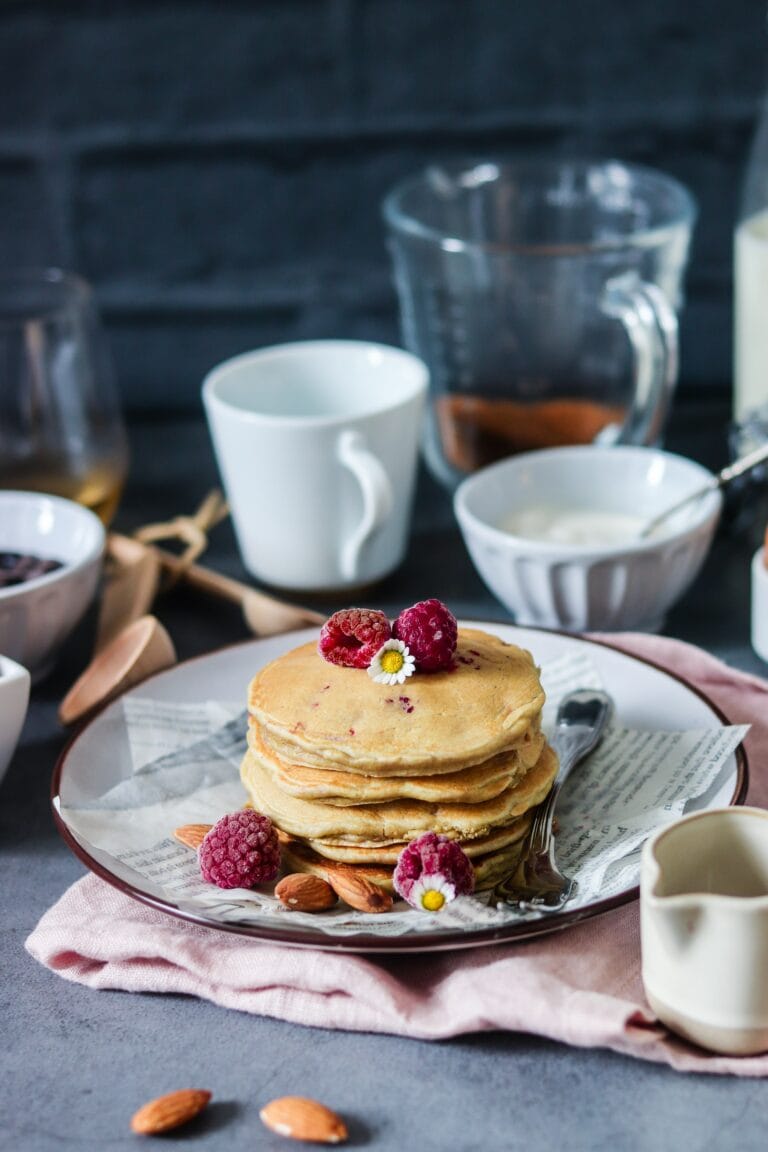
(732, 472)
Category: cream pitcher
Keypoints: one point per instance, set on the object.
(704, 926)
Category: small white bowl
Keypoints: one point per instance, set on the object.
(38, 615)
(580, 587)
(14, 697)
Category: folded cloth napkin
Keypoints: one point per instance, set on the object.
(581, 986)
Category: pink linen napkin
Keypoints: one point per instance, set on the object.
(581, 986)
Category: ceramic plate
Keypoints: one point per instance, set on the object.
(97, 760)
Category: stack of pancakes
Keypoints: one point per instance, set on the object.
(351, 770)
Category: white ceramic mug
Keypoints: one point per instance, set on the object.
(704, 925)
(317, 444)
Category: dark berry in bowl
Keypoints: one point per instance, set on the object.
(19, 567)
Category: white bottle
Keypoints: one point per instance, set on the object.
(751, 281)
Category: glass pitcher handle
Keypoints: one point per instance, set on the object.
(651, 326)
(376, 491)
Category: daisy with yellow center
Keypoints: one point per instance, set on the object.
(392, 664)
(431, 893)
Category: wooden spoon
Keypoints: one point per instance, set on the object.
(265, 615)
(130, 587)
(139, 650)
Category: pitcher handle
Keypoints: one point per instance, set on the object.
(651, 326)
(376, 491)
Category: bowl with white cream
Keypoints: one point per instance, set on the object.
(557, 534)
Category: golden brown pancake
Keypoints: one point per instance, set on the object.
(388, 852)
(489, 868)
(395, 820)
(333, 785)
(314, 712)
(351, 771)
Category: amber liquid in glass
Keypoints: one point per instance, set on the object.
(99, 488)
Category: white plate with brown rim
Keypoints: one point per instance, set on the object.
(98, 759)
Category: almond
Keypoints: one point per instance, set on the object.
(304, 1119)
(171, 1111)
(358, 892)
(305, 893)
(192, 835)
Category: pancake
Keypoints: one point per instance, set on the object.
(320, 714)
(395, 820)
(387, 853)
(350, 771)
(335, 786)
(488, 868)
(527, 747)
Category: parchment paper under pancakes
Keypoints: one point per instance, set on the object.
(351, 770)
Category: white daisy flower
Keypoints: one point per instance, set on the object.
(430, 893)
(392, 664)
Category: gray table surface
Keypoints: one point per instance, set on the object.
(75, 1064)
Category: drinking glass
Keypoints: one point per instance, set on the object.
(542, 296)
(61, 429)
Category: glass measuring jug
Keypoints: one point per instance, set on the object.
(543, 296)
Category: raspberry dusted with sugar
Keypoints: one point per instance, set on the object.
(431, 871)
(240, 851)
(430, 632)
(353, 636)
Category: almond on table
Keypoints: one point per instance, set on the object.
(169, 1111)
(300, 1118)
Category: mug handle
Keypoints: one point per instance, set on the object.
(651, 326)
(376, 490)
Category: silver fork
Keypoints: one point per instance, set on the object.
(537, 884)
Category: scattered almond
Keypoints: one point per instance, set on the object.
(305, 893)
(359, 893)
(171, 1111)
(304, 1119)
(192, 835)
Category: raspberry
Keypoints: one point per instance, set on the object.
(431, 632)
(353, 636)
(240, 851)
(431, 871)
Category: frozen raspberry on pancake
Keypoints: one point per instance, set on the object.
(430, 631)
(353, 636)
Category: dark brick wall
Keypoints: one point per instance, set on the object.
(216, 168)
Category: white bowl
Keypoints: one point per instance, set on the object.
(14, 697)
(38, 615)
(580, 587)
